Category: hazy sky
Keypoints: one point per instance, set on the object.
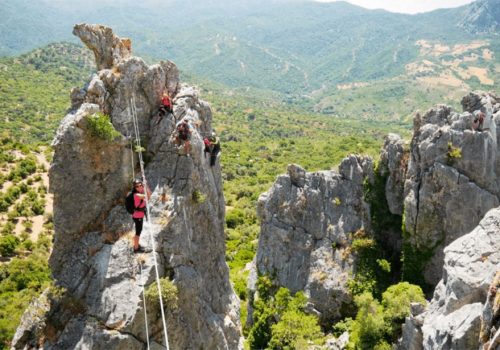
(406, 6)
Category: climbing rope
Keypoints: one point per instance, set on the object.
(132, 159)
(144, 303)
(133, 109)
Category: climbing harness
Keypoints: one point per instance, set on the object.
(133, 110)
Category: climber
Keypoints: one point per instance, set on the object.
(139, 212)
(477, 124)
(166, 104)
(183, 135)
(212, 146)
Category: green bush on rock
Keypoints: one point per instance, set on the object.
(378, 324)
(100, 126)
(169, 293)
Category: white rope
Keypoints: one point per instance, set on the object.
(132, 159)
(144, 303)
(141, 163)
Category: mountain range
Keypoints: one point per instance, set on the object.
(320, 55)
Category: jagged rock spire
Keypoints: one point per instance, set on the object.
(92, 259)
(108, 49)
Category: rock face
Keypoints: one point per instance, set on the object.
(452, 180)
(490, 319)
(108, 49)
(308, 220)
(92, 258)
(392, 165)
(453, 318)
(449, 185)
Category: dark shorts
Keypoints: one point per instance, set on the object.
(138, 226)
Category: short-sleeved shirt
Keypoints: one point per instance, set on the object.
(165, 100)
(139, 203)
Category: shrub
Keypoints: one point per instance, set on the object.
(342, 326)
(378, 324)
(368, 328)
(100, 126)
(384, 265)
(453, 154)
(396, 302)
(38, 207)
(280, 321)
(295, 330)
(169, 293)
(198, 197)
(8, 245)
(235, 217)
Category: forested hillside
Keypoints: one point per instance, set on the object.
(35, 87)
(25, 230)
(318, 55)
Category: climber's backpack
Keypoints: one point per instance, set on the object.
(129, 202)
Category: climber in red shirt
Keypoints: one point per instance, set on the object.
(139, 212)
(166, 104)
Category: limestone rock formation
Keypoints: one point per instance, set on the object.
(307, 223)
(106, 46)
(452, 180)
(101, 305)
(392, 165)
(453, 318)
(490, 319)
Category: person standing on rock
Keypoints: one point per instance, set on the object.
(478, 122)
(140, 199)
(183, 135)
(212, 146)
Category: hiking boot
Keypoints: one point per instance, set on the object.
(140, 249)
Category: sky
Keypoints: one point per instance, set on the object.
(406, 6)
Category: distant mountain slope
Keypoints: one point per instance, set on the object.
(34, 89)
(321, 55)
(289, 46)
(482, 16)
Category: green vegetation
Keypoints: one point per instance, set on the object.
(414, 260)
(20, 281)
(169, 293)
(198, 197)
(259, 138)
(34, 93)
(453, 154)
(377, 325)
(100, 126)
(280, 321)
(24, 270)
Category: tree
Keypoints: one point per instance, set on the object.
(8, 245)
(369, 327)
(396, 303)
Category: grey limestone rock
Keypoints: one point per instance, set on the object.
(92, 257)
(307, 223)
(452, 320)
(490, 318)
(393, 163)
(106, 46)
(452, 178)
